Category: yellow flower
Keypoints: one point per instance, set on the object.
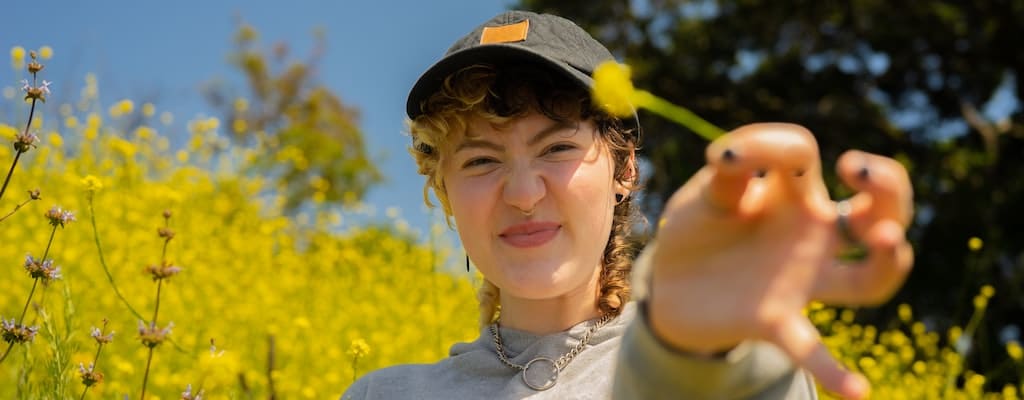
(17, 56)
(613, 90)
(92, 183)
(148, 110)
(988, 291)
(241, 104)
(359, 348)
(1014, 350)
(71, 122)
(975, 243)
(239, 125)
(166, 118)
(122, 107)
(8, 132)
(55, 139)
(45, 52)
(905, 313)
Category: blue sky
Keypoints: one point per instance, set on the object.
(166, 50)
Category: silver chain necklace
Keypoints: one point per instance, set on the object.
(541, 373)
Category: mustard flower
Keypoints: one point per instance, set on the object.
(151, 335)
(92, 183)
(613, 89)
(41, 269)
(1014, 351)
(359, 348)
(16, 333)
(89, 375)
(59, 217)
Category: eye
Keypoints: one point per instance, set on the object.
(474, 162)
(560, 147)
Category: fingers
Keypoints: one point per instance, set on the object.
(875, 279)
(757, 165)
(883, 186)
(878, 217)
(800, 340)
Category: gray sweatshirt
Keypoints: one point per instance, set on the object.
(623, 361)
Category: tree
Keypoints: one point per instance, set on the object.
(932, 83)
(307, 140)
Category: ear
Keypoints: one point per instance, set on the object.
(630, 178)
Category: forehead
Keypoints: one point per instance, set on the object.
(528, 125)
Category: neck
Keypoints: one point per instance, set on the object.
(547, 316)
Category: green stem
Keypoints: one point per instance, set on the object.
(35, 282)
(103, 262)
(16, 208)
(6, 352)
(678, 114)
(9, 173)
(156, 309)
(145, 377)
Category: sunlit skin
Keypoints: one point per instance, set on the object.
(546, 263)
(739, 256)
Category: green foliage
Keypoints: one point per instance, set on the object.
(292, 114)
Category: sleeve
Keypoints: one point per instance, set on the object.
(650, 369)
(357, 391)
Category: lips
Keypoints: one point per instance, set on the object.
(530, 234)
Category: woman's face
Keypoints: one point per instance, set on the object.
(561, 175)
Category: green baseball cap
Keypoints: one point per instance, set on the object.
(516, 37)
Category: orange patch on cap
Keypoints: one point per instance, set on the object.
(506, 33)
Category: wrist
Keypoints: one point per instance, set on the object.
(690, 350)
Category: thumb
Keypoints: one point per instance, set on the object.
(800, 340)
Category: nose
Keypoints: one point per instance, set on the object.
(524, 189)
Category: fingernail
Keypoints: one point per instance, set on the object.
(728, 155)
(863, 174)
(760, 173)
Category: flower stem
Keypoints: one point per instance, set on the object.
(9, 173)
(145, 376)
(35, 282)
(156, 309)
(6, 352)
(31, 112)
(678, 114)
(103, 262)
(16, 208)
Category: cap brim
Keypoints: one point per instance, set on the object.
(496, 54)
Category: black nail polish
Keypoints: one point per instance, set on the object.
(863, 174)
(760, 173)
(728, 155)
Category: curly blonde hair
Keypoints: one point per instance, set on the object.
(498, 95)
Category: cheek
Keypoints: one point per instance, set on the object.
(591, 200)
(471, 201)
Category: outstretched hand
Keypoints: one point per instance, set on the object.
(753, 237)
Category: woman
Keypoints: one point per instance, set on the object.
(540, 184)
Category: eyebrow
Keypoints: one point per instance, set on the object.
(480, 143)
